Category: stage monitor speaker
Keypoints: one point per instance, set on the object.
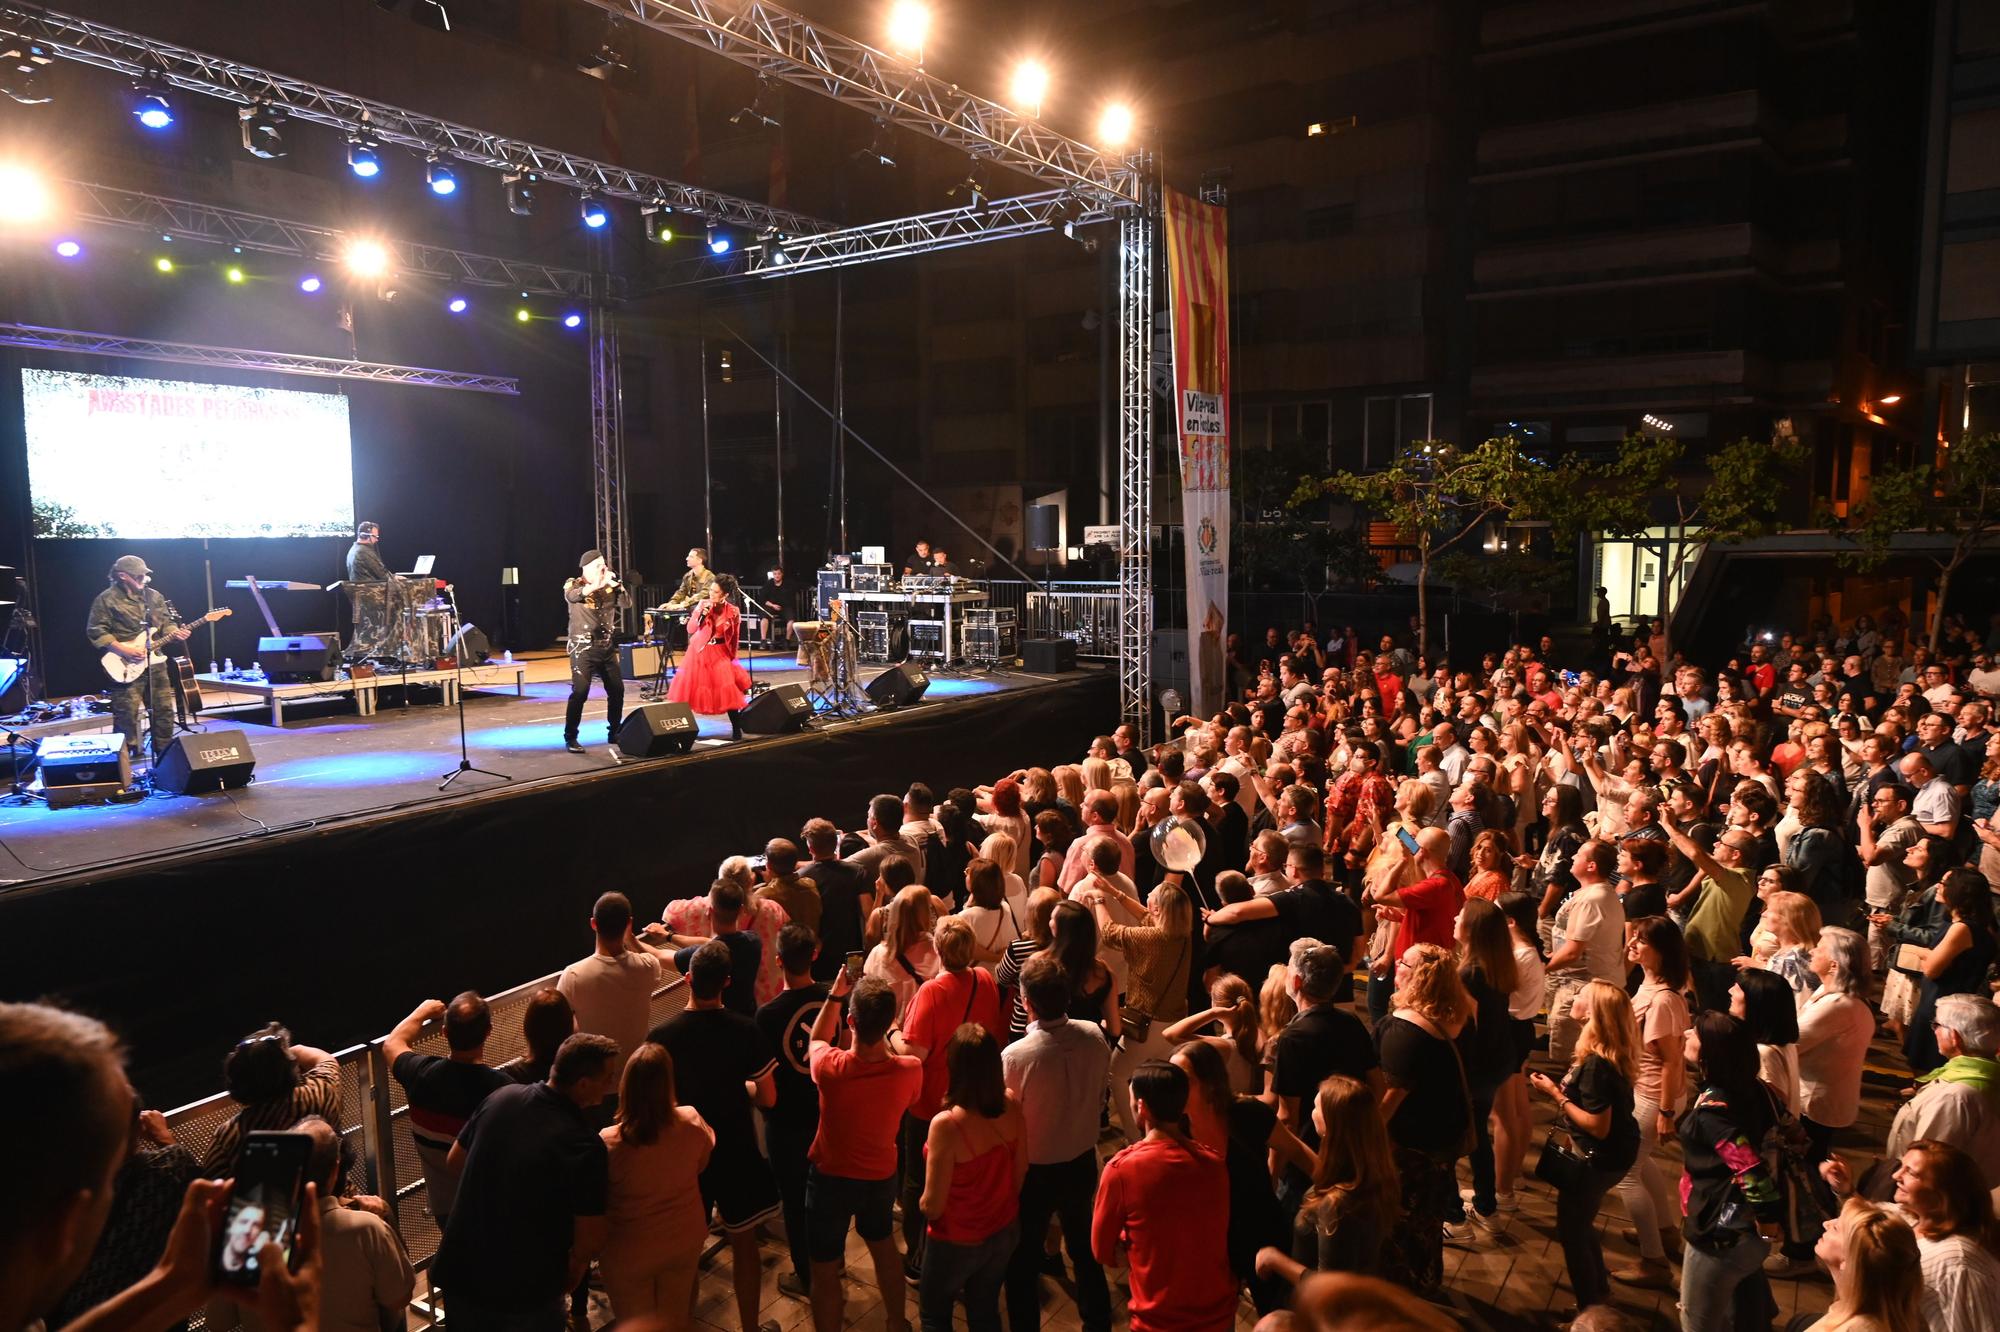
(13, 685)
(898, 686)
(474, 647)
(204, 761)
(778, 711)
(638, 661)
(300, 659)
(1044, 526)
(657, 729)
(1048, 656)
(80, 769)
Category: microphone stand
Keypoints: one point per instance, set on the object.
(464, 753)
(749, 653)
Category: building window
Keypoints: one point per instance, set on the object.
(1388, 423)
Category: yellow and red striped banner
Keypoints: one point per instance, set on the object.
(1198, 294)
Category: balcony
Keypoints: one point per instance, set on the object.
(1724, 118)
(1734, 246)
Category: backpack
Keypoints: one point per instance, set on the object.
(1788, 1158)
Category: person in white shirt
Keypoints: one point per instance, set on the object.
(1960, 1105)
(1452, 756)
(1835, 1027)
(1589, 942)
(1268, 850)
(1936, 807)
(366, 1277)
(1430, 772)
(611, 991)
(1942, 1196)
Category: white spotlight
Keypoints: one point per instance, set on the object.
(909, 24)
(1030, 86)
(366, 258)
(24, 194)
(1114, 127)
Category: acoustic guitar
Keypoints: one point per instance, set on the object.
(125, 671)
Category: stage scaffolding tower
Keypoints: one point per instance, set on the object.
(607, 440)
(1136, 230)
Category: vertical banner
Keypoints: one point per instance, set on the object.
(1198, 286)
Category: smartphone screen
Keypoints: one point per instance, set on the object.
(1409, 842)
(263, 1205)
(853, 965)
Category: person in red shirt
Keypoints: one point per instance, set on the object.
(958, 994)
(1428, 908)
(1763, 673)
(1161, 1208)
(1356, 798)
(863, 1095)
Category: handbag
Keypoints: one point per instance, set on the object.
(1136, 1024)
(1560, 1166)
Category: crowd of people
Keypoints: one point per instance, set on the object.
(1260, 1018)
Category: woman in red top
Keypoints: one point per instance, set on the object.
(709, 679)
(974, 1162)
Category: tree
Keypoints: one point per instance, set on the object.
(1437, 495)
(1958, 498)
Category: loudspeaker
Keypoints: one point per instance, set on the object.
(657, 729)
(13, 685)
(208, 761)
(638, 661)
(307, 657)
(474, 647)
(898, 686)
(1044, 526)
(1048, 656)
(779, 711)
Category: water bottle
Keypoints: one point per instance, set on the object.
(256, 670)
(229, 665)
(508, 656)
(212, 669)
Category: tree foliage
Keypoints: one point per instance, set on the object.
(1958, 498)
(1274, 542)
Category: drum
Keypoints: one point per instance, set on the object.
(809, 633)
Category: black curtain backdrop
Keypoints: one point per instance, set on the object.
(484, 482)
(341, 931)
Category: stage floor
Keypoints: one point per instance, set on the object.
(327, 764)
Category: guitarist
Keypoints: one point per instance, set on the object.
(122, 612)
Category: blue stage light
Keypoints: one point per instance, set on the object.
(593, 212)
(440, 178)
(457, 305)
(150, 105)
(718, 241)
(572, 321)
(69, 249)
(308, 284)
(363, 159)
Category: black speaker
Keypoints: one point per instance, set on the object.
(898, 686)
(208, 761)
(13, 684)
(473, 649)
(304, 658)
(656, 729)
(1044, 526)
(1048, 656)
(779, 711)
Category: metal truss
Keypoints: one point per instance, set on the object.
(92, 43)
(607, 441)
(945, 230)
(239, 358)
(135, 210)
(780, 44)
(1135, 471)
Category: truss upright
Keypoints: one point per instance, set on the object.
(607, 441)
(1137, 228)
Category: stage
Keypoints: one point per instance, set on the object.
(341, 886)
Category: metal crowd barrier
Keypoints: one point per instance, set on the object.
(1086, 613)
(374, 1118)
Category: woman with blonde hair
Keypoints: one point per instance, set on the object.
(1491, 1054)
(1942, 1195)
(1158, 955)
(1784, 940)
(1276, 1007)
(1096, 774)
(1391, 868)
(1520, 760)
(1347, 1215)
(1233, 1008)
(1877, 1278)
(1000, 813)
(657, 1151)
(1000, 848)
(907, 956)
(1594, 1108)
(1427, 1104)
(1069, 785)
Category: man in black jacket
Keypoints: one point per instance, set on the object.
(595, 598)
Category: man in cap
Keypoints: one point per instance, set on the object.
(595, 597)
(364, 560)
(123, 612)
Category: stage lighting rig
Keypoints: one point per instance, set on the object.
(1030, 86)
(366, 258)
(24, 194)
(909, 25)
(763, 108)
(309, 284)
(658, 220)
(975, 189)
(880, 150)
(1114, 126)
(457, 305)
(364, 155)
(69, 249)
(150, 106)
(591, 209)
(263, 127)
(775, 252)
(440, 177)
(24, 73)
(521, 187)
(718, 240)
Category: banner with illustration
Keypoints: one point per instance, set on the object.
(1198, 295)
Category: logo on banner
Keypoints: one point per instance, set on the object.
(1205, 536)
(1202, 414)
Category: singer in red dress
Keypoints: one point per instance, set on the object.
(709, 680)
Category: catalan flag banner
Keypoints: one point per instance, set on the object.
(1198, 286)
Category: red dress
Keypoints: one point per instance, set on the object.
(709, 680)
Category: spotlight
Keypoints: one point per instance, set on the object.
(909, 24)
(149, 103)
(718, 241)
(456, 305)
(572, 321)
(593, 212)
(24, 73)
(263, 129)
(24, 194)
(1030, 86)
(366, 258)
(1067, 214)
(163, 264)
(69, 249)
(1659, 423)
(658, 220)
(763, 108)
(522, 316)
(880, 150)
(440, 177)
(521, 192)
(234, 274)
(364, 157)
(1114, 127)
(1889, 399)
(975, 188)
(309, 284)
(774, 249)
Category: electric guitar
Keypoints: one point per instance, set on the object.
(125, 671)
